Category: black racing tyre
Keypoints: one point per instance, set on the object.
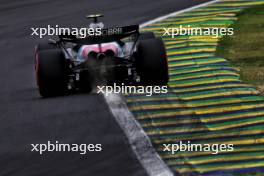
(146, 35)
(151, 62)
(45, 46)
(86, 81)
(51, 72)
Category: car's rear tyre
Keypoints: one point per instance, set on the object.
(151, 62)
(45, 46)
(146, 35)
(86, 81)
(51, 72)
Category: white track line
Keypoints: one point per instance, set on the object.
(138, 139)
(176, 13)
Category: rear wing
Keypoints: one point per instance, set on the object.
(106, 35)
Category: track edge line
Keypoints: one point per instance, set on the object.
(176, 13)
(137, 138)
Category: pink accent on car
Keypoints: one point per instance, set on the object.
(86, 49)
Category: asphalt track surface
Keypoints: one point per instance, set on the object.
(26, 119)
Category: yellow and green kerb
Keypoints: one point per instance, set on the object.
(206, 100)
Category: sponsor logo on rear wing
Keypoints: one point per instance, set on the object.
(103, 35)
(124, 30)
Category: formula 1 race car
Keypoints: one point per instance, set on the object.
(117, 55)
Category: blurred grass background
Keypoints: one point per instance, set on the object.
(245, 49)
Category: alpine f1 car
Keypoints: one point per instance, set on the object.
(118, 55)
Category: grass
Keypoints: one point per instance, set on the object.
(245, 49)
